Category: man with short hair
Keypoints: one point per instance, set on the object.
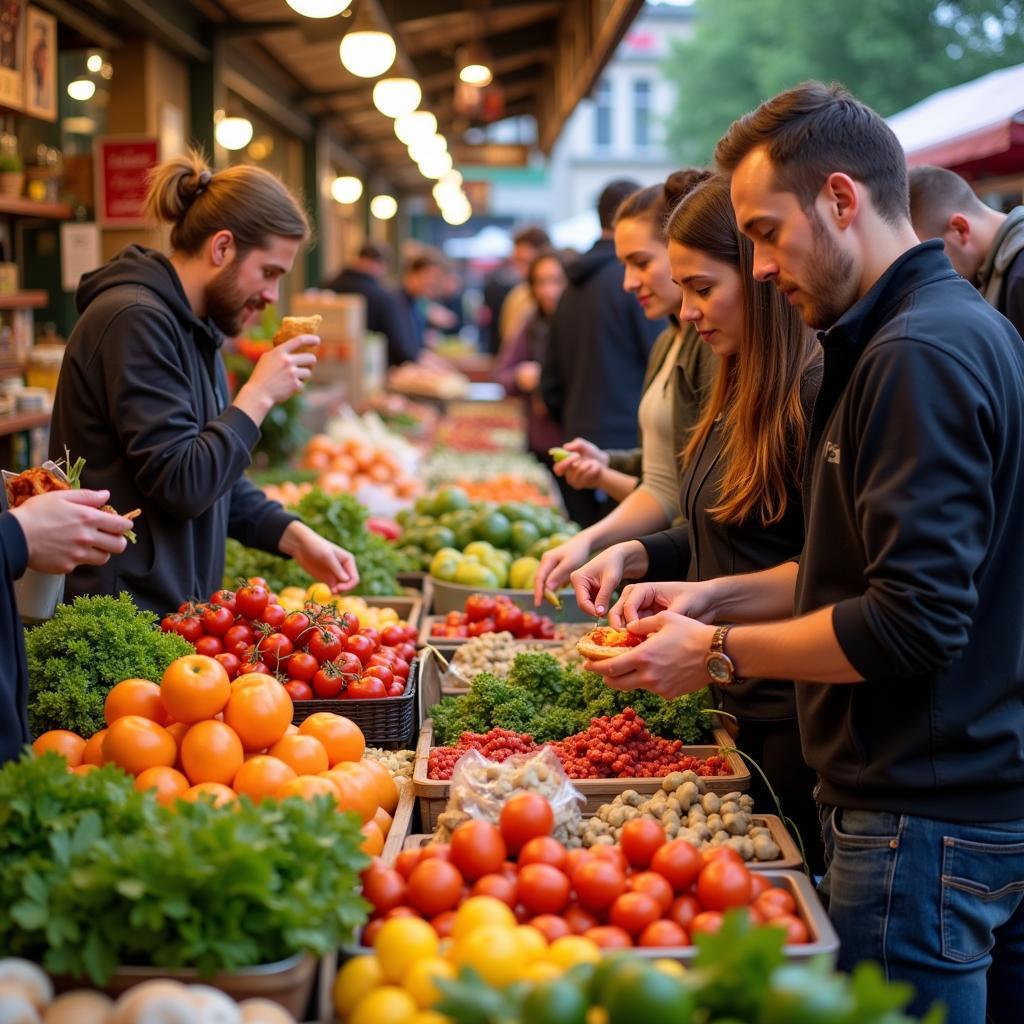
(906, 645)
(985, 245)
(385, 310)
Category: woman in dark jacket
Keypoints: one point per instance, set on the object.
(740, 492)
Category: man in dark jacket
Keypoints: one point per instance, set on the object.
(143, 393)
(50, 533)
(386, 311)
(910, 587)
(593, 375)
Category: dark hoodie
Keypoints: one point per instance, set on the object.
(14, 732)
(600, 340)
(143, 397)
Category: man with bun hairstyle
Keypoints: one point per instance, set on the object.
(143, 393)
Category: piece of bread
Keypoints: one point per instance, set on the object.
(293, 326)
(606, 642)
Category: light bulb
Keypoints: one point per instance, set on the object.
(383, 207)
(81, 89)
(476, 74)
(367, 54)
(432, 145)
(394, 97)
(435, 165)
(94, 63)
(233, 132)
(456, 215)
(420, 124)
(346, 189)
(319, 8)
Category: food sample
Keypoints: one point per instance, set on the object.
(606, 642)
(293, 326)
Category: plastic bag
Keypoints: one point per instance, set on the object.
(479, 789)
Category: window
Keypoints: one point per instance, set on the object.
(603, 115)
(642, 113)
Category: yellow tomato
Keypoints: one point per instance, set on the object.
(541, 970)
(420, 980)
(356, 978)
(494, 952)
(533, 942)
(481, 910)
(570, 950)
(386, 1005)
(319, 592)
(401, 942)
(431, 1017)
(671, 967)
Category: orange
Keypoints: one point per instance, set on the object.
(259, 710)
(292, 730)
(93, 753)
(383, 821)
(68, 744)
(308, 787)
(305, 754)
(177, 731)
(211, 752)
(135, 743)
(342, 738)
(387, 788)
(194, 687)
(220, 795)
(356, 791)
(263, 777)
(167, 783)
(373, 843)
(83, 769)
(135, 697)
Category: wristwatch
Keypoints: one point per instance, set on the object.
(721, 670)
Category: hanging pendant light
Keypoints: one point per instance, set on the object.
(319, 8)
(233, 132)
(420, 124)
(383, 207)
(474, 64)
(395, 97)
(82, 89)
(346, 189)
(367, 54)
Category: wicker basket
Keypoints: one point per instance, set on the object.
(386, 722)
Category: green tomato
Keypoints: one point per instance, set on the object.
(524, 536)
(465, 535)
(424, 505)
(450, 499)
(438, 537)
(639, 994)
(499, 568)
(479, 549)
(403, 515)
(445, 564)
(494, 528)
(555, 1002)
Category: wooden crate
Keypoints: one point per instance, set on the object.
(401, 824)
(408, 605)
(433, 794)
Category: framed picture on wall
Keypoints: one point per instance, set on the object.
(40, 64)
(12, 53)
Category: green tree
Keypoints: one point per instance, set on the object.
(890, 53)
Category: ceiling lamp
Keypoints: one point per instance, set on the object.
(435, 165)
(233, 132)
(319, 8)
(81, 89)
(395, 97)
(432, 145)
(457, 214)
(346, 189)
(452, 179)
(473, 63)
(383, 207)
(94, 62)
(367, 54)
(420, 124)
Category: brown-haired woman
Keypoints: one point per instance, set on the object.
(740, 491)
(143, 392)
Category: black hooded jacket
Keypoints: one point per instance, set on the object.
(143, 397)
(14, 732)
(600, 341)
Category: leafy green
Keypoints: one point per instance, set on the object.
(87, 647)
(96, 874)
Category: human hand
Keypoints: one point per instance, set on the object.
(642, 600)
(595, 581)
(584, 466)
(670, 662)
(556, 565)
(66, 528)
(323, 560)
(527, 376)
(278, 374)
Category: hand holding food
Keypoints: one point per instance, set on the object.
(556, 566)
(605, 642)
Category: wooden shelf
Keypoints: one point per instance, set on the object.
(19, 206)
(24, 300)
(19, 421)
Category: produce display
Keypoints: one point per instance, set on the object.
(465, 432)
(403, 416)
(505, 487)
(427, 381)
(495, 653)
(398, 762)
(551, 701)
(341, 519)
(27, 997)
(447, 467)
(88, 646)
(499, 614)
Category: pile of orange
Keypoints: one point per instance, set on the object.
(199, 735)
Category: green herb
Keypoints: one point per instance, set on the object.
(94, 874)
(87, 647)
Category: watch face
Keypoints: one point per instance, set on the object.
(720, 668)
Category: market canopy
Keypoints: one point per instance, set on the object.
(976, 129)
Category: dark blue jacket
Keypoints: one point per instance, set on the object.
(386, 313)
(14, 732)
(914, 496)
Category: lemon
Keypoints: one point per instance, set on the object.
(319, 592)
(494, 952)
(401, 942)
(386, 1005)
(532, 941)
(480, 910)
(673, 968)
(541, 970)
(356, 978)
(419, 980)
(570, 950)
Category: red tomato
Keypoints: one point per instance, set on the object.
(369, 935)
(544, 850)
(523, 817)
(795, 929)
(217, 620)
(211, 646)
(477, 849)
(384, 888)
(759, 884)
(580, 920)
(480, 606)
(542, 889)
(723, 884)
(545, 630)
(298, 689)
(455, 632)
(641, 838)
(349, 664)
(231, 663)
(348, 624)
(258, 581)
(369, 631)
(381, 672)
(574, 858)
(650, 883)
(189, 627)
(254, 666)
(250, 600)
(327, 682)
(406, 651)
(683, 910)
(406, 861)
(531, 620)
(302, 665)
(297, 627)
(717, 852)
(706, 923)
(436, 851)
(392, 636)
(396, 689)
(679, 862)
(273, 615)
(400, 912)
(609, 937)
(551, 926)
(498, 886)
(324, 645)
(633, 912)
(400, 668)
(443, 924)
(364, 688)
(239, 633)
(774, 903)
(613, 854)
(480, 626)
(383, 656)
(169, 623)
(662, 934)
(509, 618)
(598, 884)
(274, 648)
(434, 886)
(361, 646)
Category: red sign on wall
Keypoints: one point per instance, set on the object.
(122, 165)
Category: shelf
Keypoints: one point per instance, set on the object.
(6, 372)
(19, 206)
(19, 421)
(24, 300)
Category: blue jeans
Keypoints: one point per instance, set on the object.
(936, 903)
